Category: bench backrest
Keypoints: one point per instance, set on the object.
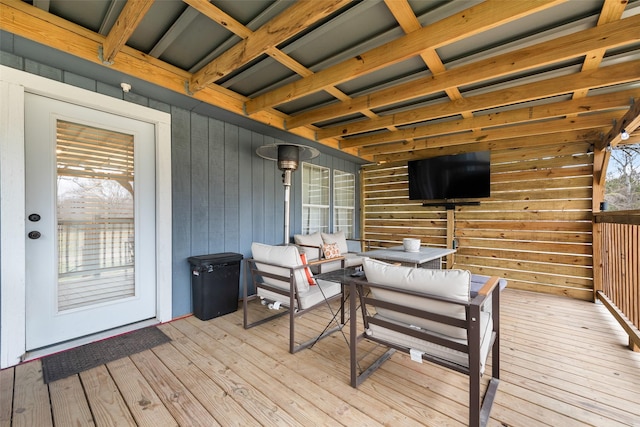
(279, 260)
(452, 285)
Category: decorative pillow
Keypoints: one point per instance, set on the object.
(314, 239)
(338, 238)
(307, 270)
(331, 250)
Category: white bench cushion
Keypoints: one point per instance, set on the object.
(450, 284)
(437, 350)
(315, 294)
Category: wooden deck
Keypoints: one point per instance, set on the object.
(564, 363)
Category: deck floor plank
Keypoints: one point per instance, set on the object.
(300, 408)
(6, 396)
(253, 401)
(180, 402)
(107, 404)
(219, 404)
(145, 405)
(563, 362)
(31, 406)
(280, 368)
(69, 404)
(332, 374)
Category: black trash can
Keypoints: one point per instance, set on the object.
(215, 281)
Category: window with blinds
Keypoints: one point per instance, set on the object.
(344, 200)
(315, 198)
(95, 212)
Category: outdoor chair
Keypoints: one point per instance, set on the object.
(430, 315)
(283, 281)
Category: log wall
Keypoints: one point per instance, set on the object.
(535, 230)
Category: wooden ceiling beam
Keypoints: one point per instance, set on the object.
(24, 20)
(609, 101)
(553, 51)
(611, 11)
(217, 15)
(125, 25)
(292, 21)
(560, 138)
(540, 128)
(612, 75)
(474, 20)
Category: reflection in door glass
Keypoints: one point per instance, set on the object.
(95, 211)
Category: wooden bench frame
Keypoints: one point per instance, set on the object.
(479, 406)
(256, 274)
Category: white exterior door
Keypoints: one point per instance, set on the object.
(90, 221)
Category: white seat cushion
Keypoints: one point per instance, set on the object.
(352, 260)
(437, 350)
(451, 284)
(315, 294)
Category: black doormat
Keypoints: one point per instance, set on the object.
(71, 362)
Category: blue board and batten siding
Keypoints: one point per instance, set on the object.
(224, 195)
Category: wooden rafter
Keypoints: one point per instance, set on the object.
(34, 24)
(592, 104)
(611, 75)
(474, 20)
(402, 12)
(588, 136)
(611, 11)
(125, 25)
(551, 126)
(568, 137)
(552, 51)
(295, 19)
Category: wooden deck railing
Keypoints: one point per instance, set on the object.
(616, 262)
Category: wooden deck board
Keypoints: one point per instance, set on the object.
(68, 403)
(145, 405)
(31, 397)
(6, 396)
(564, 362)
(107, 404)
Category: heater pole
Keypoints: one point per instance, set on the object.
(286, 180)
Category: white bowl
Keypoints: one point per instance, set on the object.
(411, 245)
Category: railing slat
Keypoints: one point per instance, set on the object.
(619, 244)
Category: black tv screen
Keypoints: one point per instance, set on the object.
(459, 176)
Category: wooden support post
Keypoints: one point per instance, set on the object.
(600, 161)
(451, 229)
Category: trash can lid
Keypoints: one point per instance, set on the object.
(215, 258)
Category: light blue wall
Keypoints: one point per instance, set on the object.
(224, 195)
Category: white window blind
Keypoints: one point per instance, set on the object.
(95, 212)
(344, 187)
(315, 198)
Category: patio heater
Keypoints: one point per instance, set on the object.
(288, 157)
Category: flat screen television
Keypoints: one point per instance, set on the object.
(460, 176)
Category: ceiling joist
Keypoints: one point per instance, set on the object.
(539, 55)
(125, 25)
(386, 80)
(294, 20)
(536, 113)
(474, 20)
